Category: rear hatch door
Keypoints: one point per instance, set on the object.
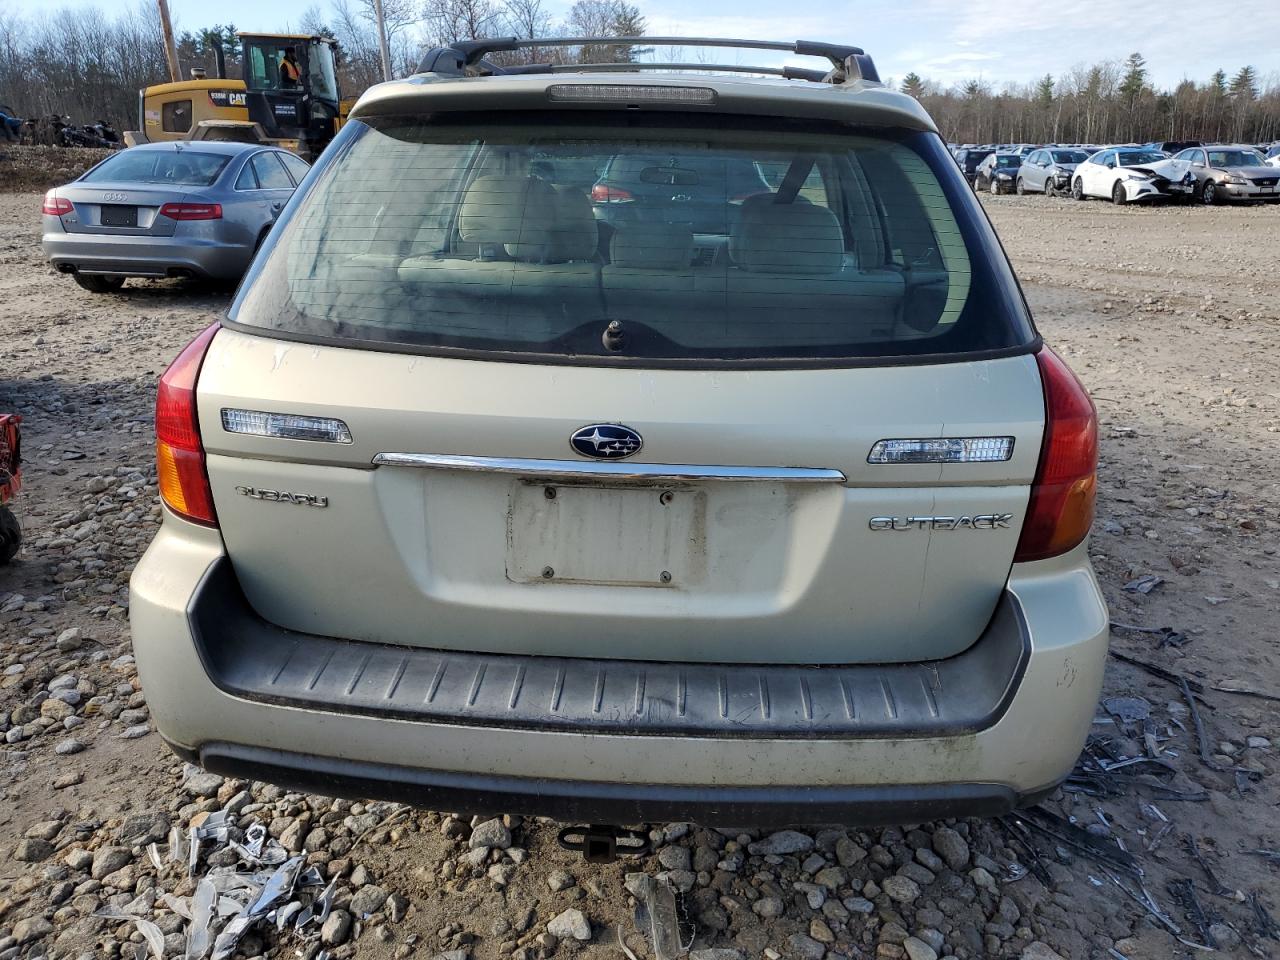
(863, 563)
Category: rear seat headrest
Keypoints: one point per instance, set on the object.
(652, 246)
(532, 219)
(512, 210)
(797, 238)
(574, 235)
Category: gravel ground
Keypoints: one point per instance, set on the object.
(1169, 315)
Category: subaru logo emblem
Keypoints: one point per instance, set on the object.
(606, 441)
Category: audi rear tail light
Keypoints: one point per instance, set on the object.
(192, 211)
(180, 466)
(1060, 511)
(55, 206)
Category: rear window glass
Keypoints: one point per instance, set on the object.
(677, 240)
(185, 167)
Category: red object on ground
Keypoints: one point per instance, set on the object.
(10, 456)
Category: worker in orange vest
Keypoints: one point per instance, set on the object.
(290, 73)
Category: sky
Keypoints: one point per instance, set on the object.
(948, 41)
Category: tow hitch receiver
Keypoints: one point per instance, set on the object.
(602, 843)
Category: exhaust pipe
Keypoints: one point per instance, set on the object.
(219, 61)
(66, 268)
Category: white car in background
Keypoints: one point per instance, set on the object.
(1273, 156)
(1129, 174)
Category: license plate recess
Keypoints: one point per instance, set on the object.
(613, 535)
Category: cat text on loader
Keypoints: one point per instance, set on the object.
(288, 97)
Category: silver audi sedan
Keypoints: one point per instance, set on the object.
(187, 209)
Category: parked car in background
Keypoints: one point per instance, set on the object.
(969, 158)
(1049, 170)
(184, 209)
(1273, 156)
(997, 172)
(1170, 147)
(782, 522)
(1224, 173)
(1130, 174)
(708, 191)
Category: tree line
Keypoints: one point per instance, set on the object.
(1108, 102)
(90, 66)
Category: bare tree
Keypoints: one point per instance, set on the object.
(606, 18)
(448, 21)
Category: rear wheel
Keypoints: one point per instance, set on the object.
(1209, 193)
(1077, 189)
(1118, 195)
(977, 184)
(10, 535)
(99, 284)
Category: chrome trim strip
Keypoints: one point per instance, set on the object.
(613, 470)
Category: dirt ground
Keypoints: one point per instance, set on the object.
(1172, 319)
(35, 167)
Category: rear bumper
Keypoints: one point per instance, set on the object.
(455, 744)
(128, 256)
(578, 801)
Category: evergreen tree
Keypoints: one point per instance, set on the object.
(1044, 91)
(1135, 78)
(913, 86)
(1244, 85)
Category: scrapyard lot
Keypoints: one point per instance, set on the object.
(1171, 316)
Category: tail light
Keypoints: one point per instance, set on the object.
(180, 466)
(55, 206)
(1061, 508)
(602, 193)
(192, 211)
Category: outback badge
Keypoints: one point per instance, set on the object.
(606, 441)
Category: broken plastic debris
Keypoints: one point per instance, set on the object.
(657, 916)
(286, 914)
(177, 845)
(198, 936)
(254, 837)
(318, 911)
(1128, 709)
(278, 887)
(1144, 584)
(150, 932)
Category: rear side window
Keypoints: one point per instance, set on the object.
(183, 167)
(678, 241)
(271, 174)
(298, 167)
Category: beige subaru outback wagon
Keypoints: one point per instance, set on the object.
(622, 444)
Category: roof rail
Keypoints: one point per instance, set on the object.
(787, 73)
(467, 57)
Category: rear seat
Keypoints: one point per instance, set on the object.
(538, 264)
(789, 266)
